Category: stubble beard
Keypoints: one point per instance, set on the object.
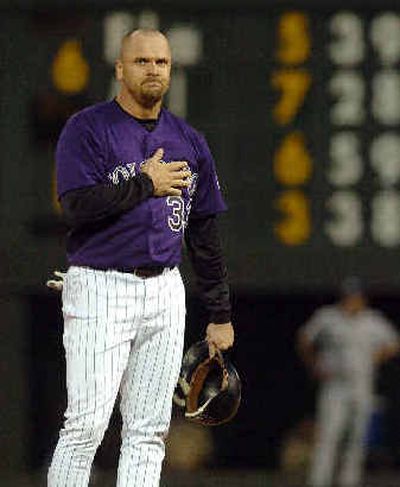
(149, 97)
(149, 100)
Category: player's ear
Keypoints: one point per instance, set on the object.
(119, 71)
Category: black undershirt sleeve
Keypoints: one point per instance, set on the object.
(93, 204)
(205, 253)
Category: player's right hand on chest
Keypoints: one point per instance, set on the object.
(168, 179)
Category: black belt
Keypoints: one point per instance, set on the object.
(145, 272)
(142, 272)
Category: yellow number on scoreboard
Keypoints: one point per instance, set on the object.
(295, 227)
(293, 85)
(292, 162)
(294, 38)
(70, 70)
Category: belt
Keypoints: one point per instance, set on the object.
(142, 272)
(146, 272)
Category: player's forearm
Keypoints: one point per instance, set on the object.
(216, 298)
(205, 253)
(96, 203)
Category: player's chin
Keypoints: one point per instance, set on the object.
(150, 97)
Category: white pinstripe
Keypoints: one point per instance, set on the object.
(121, 333)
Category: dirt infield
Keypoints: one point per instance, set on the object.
(235, 478)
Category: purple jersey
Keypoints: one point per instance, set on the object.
(103, 143)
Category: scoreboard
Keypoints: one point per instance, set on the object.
(301, 108)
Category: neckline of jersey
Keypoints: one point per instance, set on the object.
(138, 120)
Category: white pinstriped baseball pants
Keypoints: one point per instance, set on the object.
(121, 334)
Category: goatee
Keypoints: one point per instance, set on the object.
(148, 100)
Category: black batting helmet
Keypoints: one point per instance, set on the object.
(208, 388)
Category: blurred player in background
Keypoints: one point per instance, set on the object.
(343, 344)
(134, 181)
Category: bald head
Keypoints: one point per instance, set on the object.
(136, 39)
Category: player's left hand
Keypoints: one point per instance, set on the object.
(219, 336)
(58, 283)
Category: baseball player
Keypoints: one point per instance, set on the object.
(343, 344)
(134, 181)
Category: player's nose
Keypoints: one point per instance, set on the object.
(152, 67)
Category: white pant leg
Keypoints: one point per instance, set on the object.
(96, 356)
(332, 414)
(149, 382)
(354, 449)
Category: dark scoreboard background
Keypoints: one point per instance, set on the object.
(301, 107)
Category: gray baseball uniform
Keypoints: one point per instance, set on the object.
(346, 347)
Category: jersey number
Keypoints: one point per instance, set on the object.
(176, 220)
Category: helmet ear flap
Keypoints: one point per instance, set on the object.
(193, 356)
